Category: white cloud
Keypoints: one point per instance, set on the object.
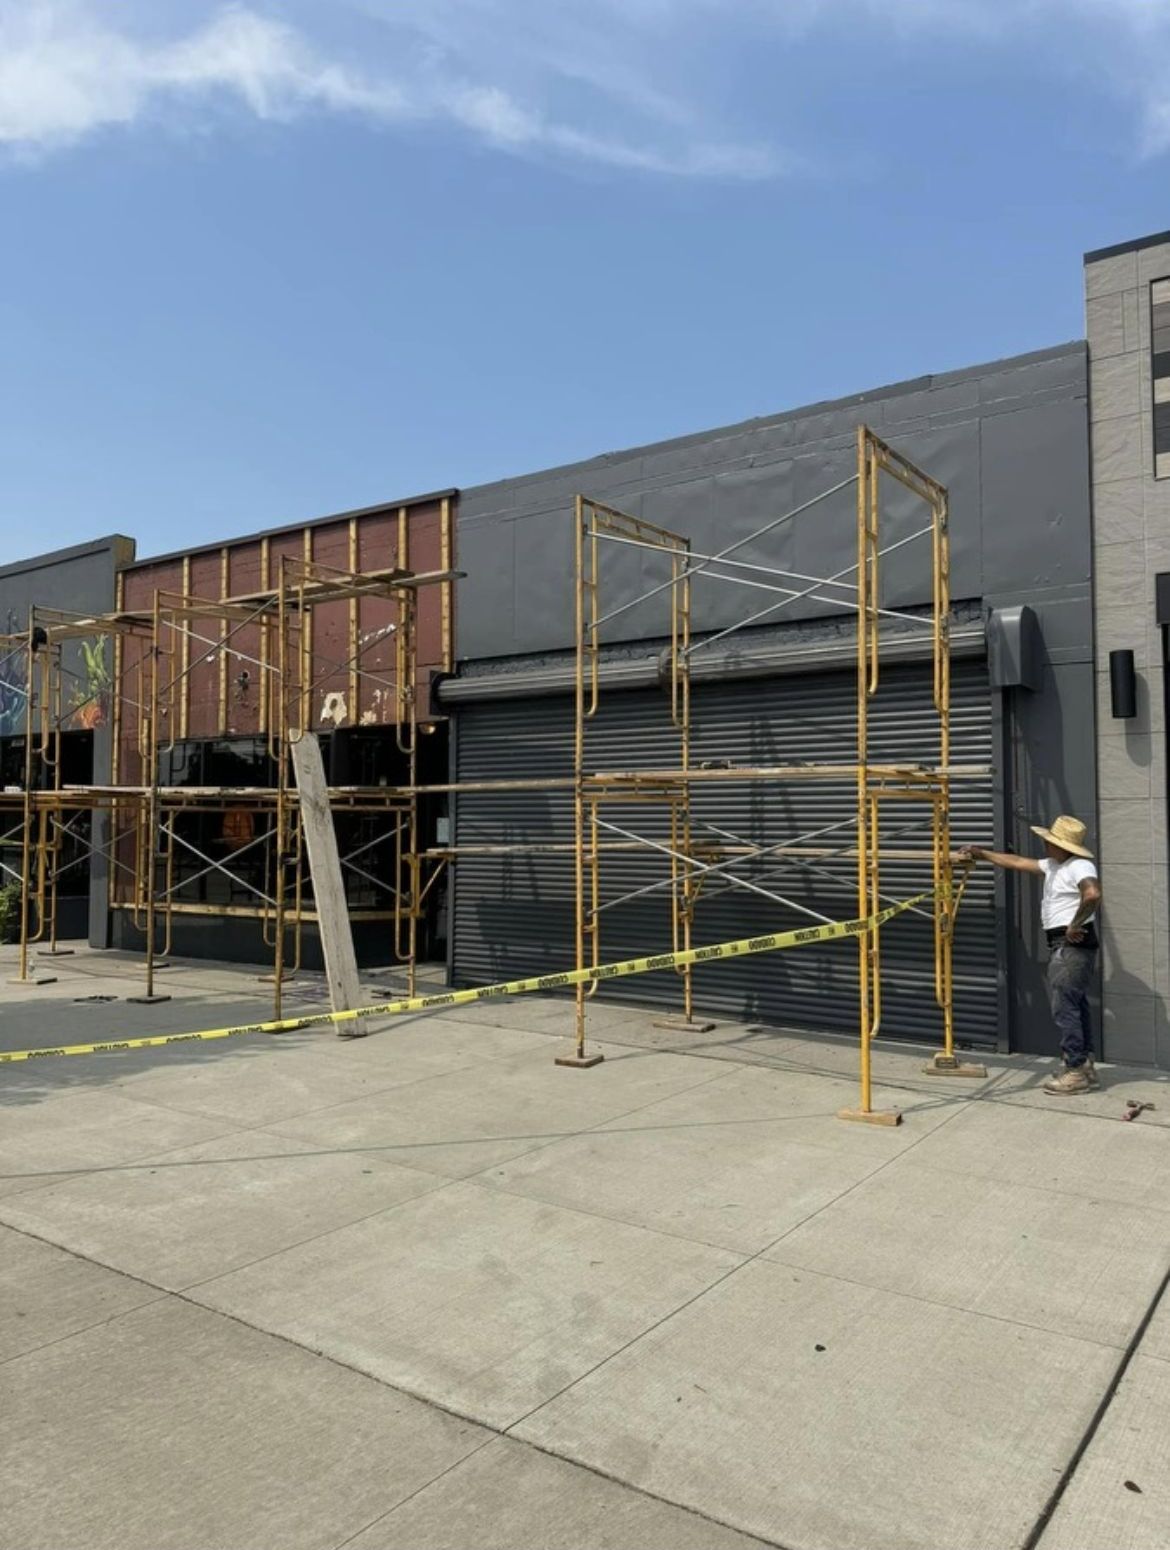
(499, 120)
(647, 55)
(1123, 46)
(62, 75)
(65, 75)
(619, 83)
(1156, 123)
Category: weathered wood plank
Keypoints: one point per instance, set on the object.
(325, 869)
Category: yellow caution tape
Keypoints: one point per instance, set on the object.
(605, 971)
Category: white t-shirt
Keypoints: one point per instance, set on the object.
(1062, 890)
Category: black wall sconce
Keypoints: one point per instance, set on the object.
(1122, 685)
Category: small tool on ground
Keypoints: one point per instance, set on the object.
(1133, 1107)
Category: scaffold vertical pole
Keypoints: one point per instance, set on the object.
(149, 830)
(946, 896)
(22, 976)
(585, 600)
(867, 837)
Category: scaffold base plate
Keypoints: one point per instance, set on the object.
(950, 1065)
(581, 1061)
(871, 1116)
(681, 1025)
(147, 1000)
(33, 980)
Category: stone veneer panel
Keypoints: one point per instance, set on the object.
(1131, 544)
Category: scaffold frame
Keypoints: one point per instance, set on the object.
(876, 783)
(156, 650)
(147, 693)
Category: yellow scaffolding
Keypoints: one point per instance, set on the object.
(45, 808)
(156, 650)
(876, 783)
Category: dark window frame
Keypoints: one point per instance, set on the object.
(1159, 372)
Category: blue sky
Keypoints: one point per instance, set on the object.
(262, 262)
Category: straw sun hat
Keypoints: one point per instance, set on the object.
(1068, 833)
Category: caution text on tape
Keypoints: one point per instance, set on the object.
(745, 947)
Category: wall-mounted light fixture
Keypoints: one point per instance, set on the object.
(1122, 685)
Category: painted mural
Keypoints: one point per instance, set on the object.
(86, 683)
(12, 685)
(90, 693)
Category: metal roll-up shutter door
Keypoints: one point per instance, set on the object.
(514, 915)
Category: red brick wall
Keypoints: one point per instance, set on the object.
(213, 699)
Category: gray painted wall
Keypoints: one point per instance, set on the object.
(1010, 441)
(79, 580)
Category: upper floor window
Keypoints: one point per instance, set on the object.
(1160, 353)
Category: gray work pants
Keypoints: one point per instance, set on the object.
(1070, 974)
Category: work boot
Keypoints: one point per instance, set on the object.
(1074, 1079)
(1090, 1070)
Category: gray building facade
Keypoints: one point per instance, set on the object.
(1127, 309)
(79, 580)
(1058, 466)
(1010, 440)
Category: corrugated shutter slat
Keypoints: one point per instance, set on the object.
(514, 915)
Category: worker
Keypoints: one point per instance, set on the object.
(1068, 914)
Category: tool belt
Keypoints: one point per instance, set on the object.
(1057, 936)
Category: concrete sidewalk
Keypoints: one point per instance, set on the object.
(427, 1289)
